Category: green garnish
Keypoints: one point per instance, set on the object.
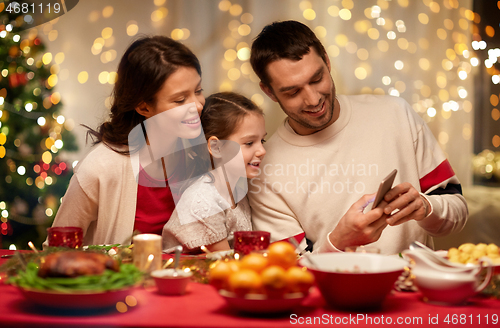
(102, 247)
(128, 275)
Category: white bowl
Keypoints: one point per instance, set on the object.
(444, 285)
(171, 282)
(446, 288)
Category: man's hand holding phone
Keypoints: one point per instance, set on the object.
(403, 202)
(409, 202)
(358, 228)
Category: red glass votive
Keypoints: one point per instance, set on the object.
(246, 242)
(71, 237)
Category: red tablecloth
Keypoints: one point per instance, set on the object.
(203, 307)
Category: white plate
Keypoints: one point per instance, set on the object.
(220, 254)
(76, 300)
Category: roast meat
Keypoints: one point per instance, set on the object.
(76, 263)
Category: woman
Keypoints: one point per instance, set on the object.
(155, 75)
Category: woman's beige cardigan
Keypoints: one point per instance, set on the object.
(101, 198)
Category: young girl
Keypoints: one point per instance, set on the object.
(156, 75)
(215, 205)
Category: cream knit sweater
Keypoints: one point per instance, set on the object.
(307, 183)
(203, 217)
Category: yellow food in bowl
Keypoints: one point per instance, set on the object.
(470, 253)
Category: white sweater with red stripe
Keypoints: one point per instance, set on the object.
(307, 183)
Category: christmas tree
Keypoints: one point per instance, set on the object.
(33, 176)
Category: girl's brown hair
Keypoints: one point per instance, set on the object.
(143, 69)
(221, 116)
(223, 113)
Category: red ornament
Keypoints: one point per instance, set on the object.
(17, 79)
(6, 228)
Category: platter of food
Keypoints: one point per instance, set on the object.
(263, 282)
(76, 280)
(76, 300)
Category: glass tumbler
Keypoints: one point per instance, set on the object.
(71, 237)
(246, 242)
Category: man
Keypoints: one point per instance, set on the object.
(333, 150)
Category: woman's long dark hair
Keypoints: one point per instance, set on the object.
(143, 69)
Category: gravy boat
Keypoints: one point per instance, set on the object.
(445, 285)
(438, 259)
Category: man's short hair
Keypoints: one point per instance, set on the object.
(282, 40)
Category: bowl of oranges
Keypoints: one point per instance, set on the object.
(263, 282)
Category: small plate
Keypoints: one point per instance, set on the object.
(255, 303)
(220, 254)
(77, 300)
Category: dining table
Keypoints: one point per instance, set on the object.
(203, 306)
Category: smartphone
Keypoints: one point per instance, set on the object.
(384, 187)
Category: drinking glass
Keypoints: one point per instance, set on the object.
(71, 237)
(246, 242)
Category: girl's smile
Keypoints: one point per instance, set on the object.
(250, 136)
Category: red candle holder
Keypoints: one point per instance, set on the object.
(246, 242)
(71, 237)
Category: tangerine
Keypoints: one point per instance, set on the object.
(274, 280)
(219, 274)
(283, 254)
(245, 281)
(254, 261)
(299, 279)
(235, 265)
